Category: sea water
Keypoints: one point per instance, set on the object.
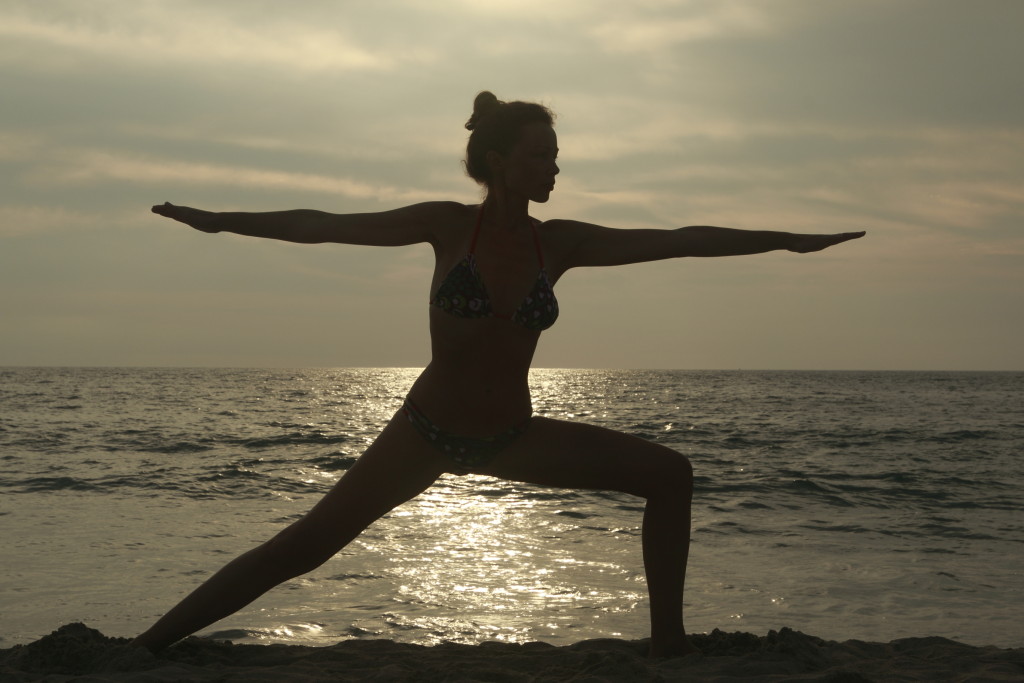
(867, 505)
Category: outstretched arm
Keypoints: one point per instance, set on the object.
(407, 225)
(594, 245)
(706, 240)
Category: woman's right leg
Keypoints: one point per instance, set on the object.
(575, 455)
(398, 466)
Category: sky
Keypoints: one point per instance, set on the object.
(904, 118)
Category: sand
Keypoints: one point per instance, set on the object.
(76, 652)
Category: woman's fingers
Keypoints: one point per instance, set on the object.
(808, 243)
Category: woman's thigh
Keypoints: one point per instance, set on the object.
(575, 455)
(397, 466)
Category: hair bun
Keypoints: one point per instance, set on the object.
(484, 105)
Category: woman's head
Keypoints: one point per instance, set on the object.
(498, 127)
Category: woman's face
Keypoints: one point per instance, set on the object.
(529, 170)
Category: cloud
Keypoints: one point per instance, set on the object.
(199, 34)
(95, 166)
(18, 146)
(961, 203)
(660, 27)
(20, 220)
(931, 62)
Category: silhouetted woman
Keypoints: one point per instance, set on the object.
(469, 411)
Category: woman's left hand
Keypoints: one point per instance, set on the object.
(803, 244)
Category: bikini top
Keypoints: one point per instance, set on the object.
(463, 293)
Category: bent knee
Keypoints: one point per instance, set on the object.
(674, 476)
(680, 471)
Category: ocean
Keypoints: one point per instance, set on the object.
(847, 505)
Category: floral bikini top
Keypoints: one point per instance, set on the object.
(463, 293)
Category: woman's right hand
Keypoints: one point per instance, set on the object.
(196, 218)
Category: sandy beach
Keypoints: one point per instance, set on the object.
(76, 652)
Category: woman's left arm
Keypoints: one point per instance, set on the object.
(593, 245)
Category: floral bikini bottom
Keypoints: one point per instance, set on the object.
(468, 452)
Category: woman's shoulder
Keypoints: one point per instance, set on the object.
(450, 221)
(564, 232)
(438, 217)
(445, 216)
(440, 210)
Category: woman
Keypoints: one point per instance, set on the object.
(470, 410)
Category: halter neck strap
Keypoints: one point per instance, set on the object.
(533, 231)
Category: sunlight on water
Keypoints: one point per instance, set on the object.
(484, 551)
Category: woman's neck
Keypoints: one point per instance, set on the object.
(504, 212)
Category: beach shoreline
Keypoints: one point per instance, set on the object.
(75, 651)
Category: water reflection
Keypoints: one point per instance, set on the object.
(498, 556)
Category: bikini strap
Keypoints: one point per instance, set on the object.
(533, 231)
(536, 242)
(476, 230)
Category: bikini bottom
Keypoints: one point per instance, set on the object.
(468, 452)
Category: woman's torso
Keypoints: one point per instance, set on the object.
(477, 381)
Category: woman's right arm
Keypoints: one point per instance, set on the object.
(407, 225)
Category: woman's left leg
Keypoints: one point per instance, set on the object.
(573, 455)
(395, 468)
